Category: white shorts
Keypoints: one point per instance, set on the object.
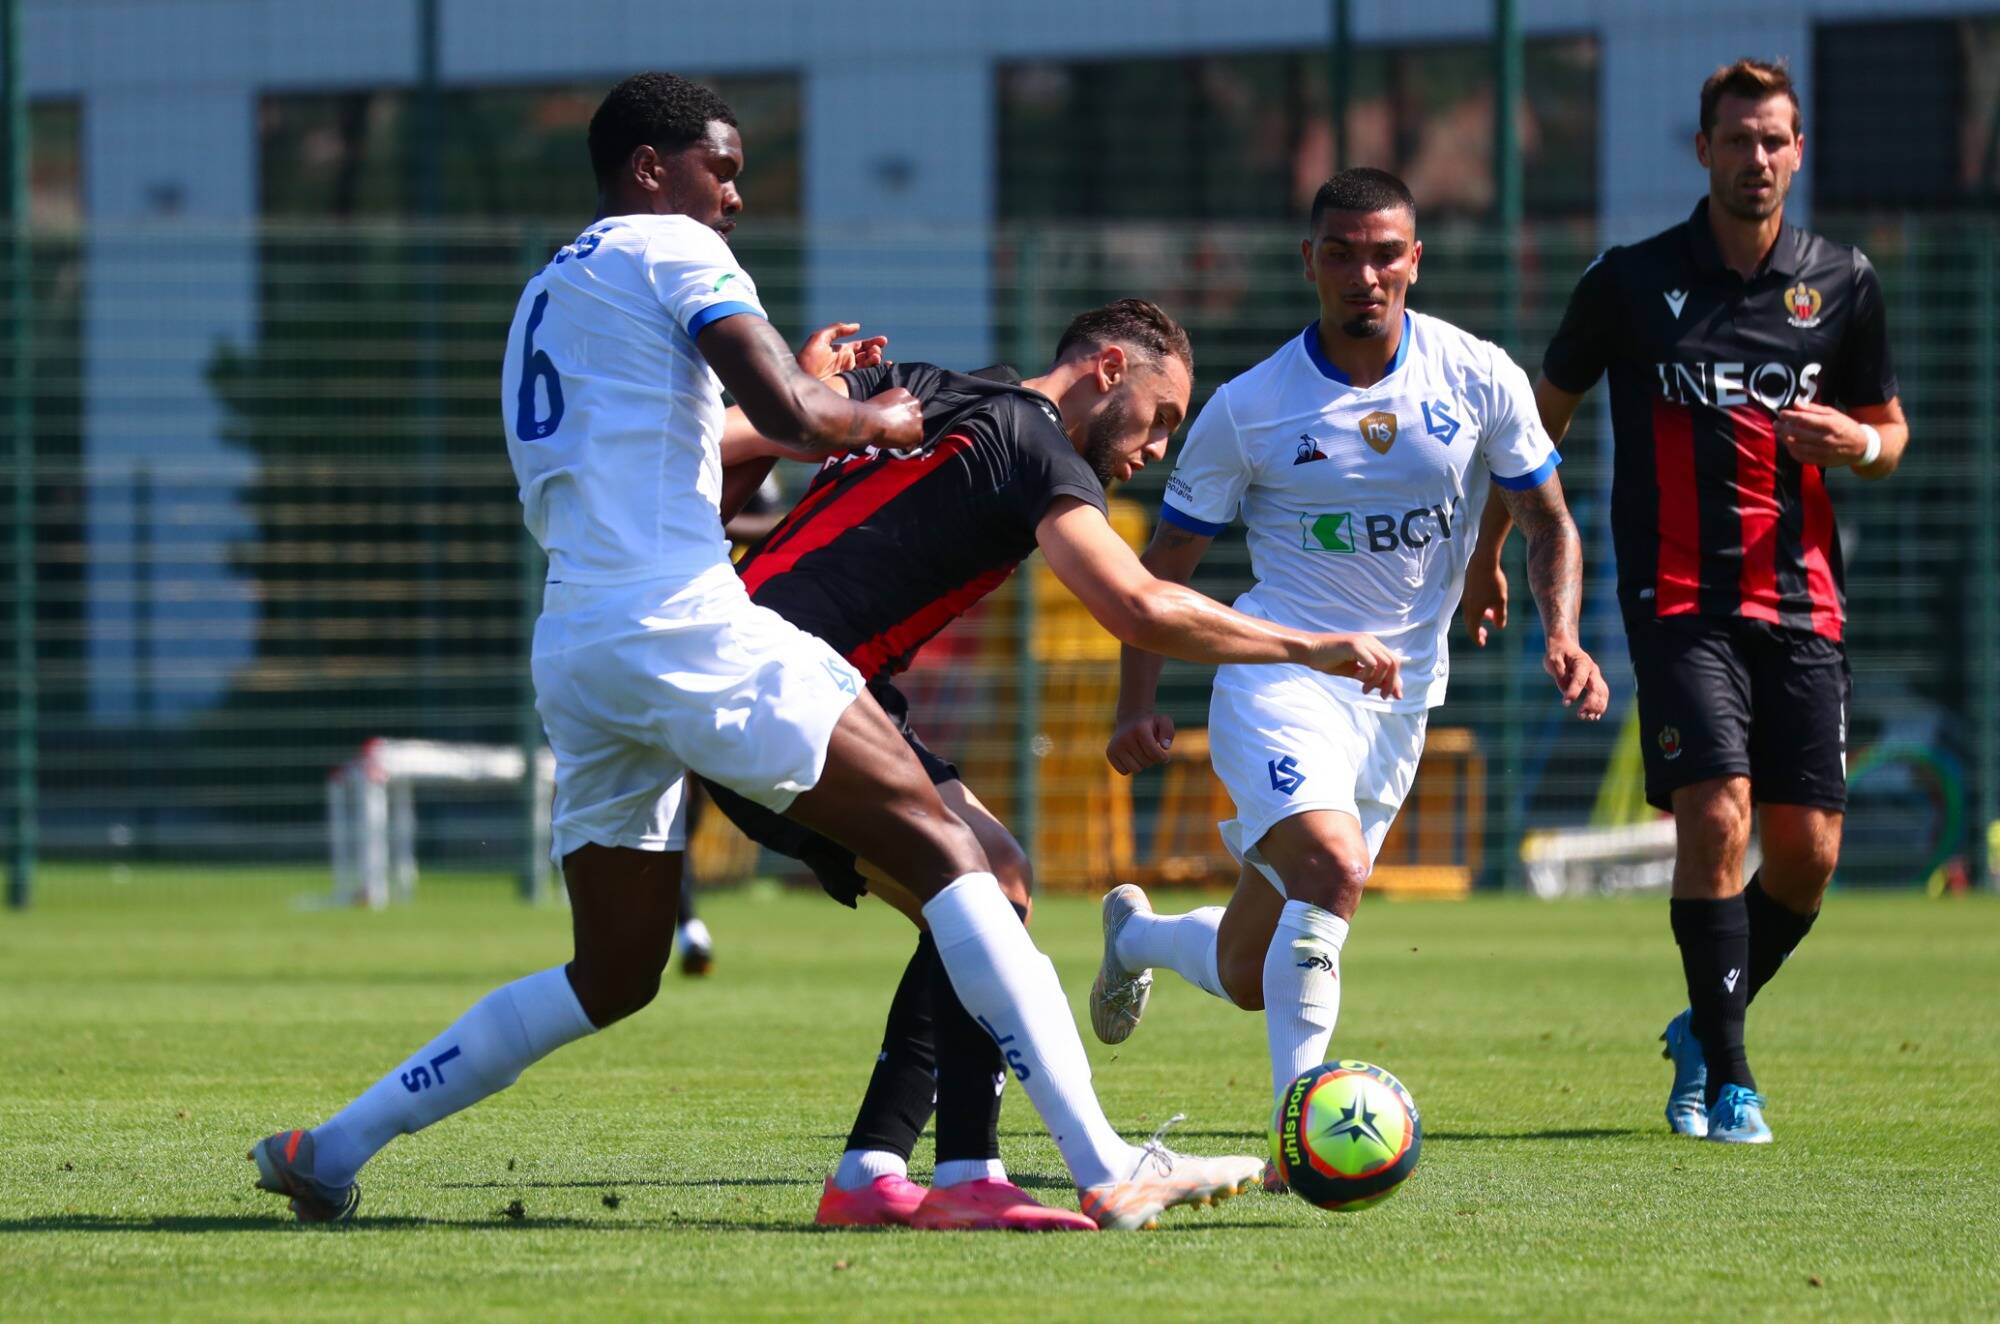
(636, 684)
(1283, 743)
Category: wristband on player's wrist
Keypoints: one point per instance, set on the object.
(1874, 451)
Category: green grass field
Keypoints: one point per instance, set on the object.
(149, 1032)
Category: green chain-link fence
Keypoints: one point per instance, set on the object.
(273, 519)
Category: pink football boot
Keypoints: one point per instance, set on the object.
(885, 1202)
(991, 1204)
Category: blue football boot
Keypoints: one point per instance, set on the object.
(1737, 1118)
(1687, 1101)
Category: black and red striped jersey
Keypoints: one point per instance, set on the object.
(1709, 514)
(886, 548)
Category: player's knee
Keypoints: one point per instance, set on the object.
(1799, 865)
(1010, 865)
(1242, 979)
(936, 851)
(1718, 819)
(611, 991)
(1333, 881)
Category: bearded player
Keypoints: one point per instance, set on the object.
(887, 548)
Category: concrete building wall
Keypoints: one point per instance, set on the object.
(899, 145)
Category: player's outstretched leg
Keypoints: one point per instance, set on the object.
(970, 1187)
(1124, 980)
(623, 904)
(1219, 950)
(875, 799)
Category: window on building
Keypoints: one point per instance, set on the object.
(55, 163)
(1248, 136)
(1906, 114)
(501, 154)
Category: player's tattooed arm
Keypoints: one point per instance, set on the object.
(788, 405)
(1555, 577)
(1484, 602)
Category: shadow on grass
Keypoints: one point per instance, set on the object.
(1140, 1129)
(1561, 1133)
(205, 1223)
(621, 1184)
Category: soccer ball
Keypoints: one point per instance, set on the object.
(1345, 1135)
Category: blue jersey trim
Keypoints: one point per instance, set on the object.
(1540, 474)
(715, 312)
(1180, 519)
(1325, 365)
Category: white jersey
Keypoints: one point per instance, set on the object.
(1361, 505)
(613, 417)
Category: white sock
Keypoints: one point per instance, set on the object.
(481, 1054)
(694, 933)
(1013, 990)
(1184, 944)
(862, 1167)
(1301, 989)
(953, 1171)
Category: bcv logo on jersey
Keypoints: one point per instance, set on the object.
(1342, 532)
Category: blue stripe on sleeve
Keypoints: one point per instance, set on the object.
(1540, 474)
(1180, 519)
(715, 312)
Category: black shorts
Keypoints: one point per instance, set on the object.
(832, 863)
(1720, 696)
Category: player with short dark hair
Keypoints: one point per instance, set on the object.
(1361, 190)
(659, 110)
(1357, 456)
(651, 662)
(882, 552)
(1746, 358)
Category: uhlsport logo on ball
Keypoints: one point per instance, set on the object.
(1345, 1135)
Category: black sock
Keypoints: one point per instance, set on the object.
(1714, 938)
(901, 1091)
(1775, 931)
(687, 900)
(968, 1076)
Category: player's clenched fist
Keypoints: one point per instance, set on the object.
(1140, 741)
(900, 416)
(1359, 657)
